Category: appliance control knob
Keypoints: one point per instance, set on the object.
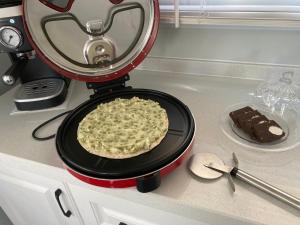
(14, 71)
(8, 79)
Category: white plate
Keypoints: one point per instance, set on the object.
(289, 122)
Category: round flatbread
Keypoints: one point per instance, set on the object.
(123, 128)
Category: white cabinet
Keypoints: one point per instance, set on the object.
(30, 200)
(97, 208)
(28, 197)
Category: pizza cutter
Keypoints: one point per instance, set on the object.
(210, 166)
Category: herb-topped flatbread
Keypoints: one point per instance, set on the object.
(123, 128)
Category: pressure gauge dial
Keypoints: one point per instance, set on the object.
(10, 37)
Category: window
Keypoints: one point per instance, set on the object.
(245, 12)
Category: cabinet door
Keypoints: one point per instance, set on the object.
(28, 203)
(101, 209)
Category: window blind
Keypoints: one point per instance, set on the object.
(192, 11)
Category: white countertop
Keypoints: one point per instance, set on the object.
(207, 97)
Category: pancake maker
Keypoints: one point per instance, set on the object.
(99, 42)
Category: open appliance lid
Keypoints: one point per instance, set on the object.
(92, 40)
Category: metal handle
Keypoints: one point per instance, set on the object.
(13, 73)
(267, 188)
(58, 192)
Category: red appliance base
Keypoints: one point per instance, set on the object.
(135, 181)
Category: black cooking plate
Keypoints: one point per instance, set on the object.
(178, 138)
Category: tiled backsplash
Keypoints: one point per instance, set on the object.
(219, 68)
(245, 52)
(242, 52)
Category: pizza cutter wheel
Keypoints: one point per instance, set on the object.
(210, 166)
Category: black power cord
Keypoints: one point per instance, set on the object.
(44, 124)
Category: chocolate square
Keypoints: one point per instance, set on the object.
(247, 116)
(268, 132)
(235, 114)
(250, 123)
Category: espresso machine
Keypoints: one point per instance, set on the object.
(40, 86)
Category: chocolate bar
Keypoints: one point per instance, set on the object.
(256, 125)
